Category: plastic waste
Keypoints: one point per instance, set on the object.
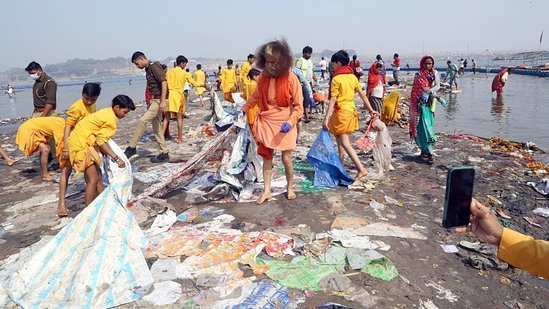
(541, 186)
(165, 293)
(329, 172)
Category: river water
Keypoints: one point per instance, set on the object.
(522, 114)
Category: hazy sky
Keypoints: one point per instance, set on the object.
(56, 30)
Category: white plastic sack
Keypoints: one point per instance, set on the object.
(93, 262)
(381, 150)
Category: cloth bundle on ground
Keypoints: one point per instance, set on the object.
(323, 156)
(382, 149)
(93, 262)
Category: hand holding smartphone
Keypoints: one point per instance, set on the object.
(459, 194)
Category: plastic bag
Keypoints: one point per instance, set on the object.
(367, 141)
(382, 148)
(323, 156)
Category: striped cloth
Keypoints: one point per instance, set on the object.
(93, 262)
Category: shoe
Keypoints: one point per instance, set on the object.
(130, 152)
(168, 137)
(163, 157)
(54, 167)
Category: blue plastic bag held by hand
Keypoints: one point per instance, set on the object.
(323, 156)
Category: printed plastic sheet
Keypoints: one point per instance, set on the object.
(329, 172)
(95, 261)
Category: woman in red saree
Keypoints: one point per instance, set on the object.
(280, 101)
(422, 102)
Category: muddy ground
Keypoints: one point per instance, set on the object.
(28, 213)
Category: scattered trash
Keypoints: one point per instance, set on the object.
(358, 259)
(162, 223)
(391, 200)
(494, 199)
(381, 268)
(513, 304)
(335, 282)
(188, 215)
(265, 294)
(332, 306)
(449, 248)
(475, 159)
(536, 221)
(164, 293)
(427, 304)
(164, 269)
(442, 292)
(541, 186)
(504, 280)
(301, 273)
(386, 229)
(323, 156)
(481, 262)
(502, 213)
(6, 226)
(341, 222)
(544, 212)
(351, 239)
(478, 247)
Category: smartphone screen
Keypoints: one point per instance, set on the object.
(459, 193)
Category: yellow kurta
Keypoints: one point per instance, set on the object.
(189, 79)
(252, 112)
(228, 80)
(78, 111)
(524, 252)
(39, 130)
(176, 81)
(88, 134)
(246, 67)
(344, 119)
(200, 78)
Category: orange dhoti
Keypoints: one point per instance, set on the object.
(266, 131)
(343, 122)
(83, 156)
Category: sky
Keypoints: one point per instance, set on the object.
(54, 31)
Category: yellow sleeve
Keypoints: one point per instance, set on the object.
(357, 85)
(189, 78)
(334, 88)
(524, 252)
(253, 99)
(74, 114)
(107, 130)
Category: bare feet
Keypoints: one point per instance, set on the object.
(47, 178)
(290, 194)
(264, 197)
(179, 139)
(13, 161)
(360, 175)
(62, 211)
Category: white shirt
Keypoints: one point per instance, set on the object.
(323, 65)
(378, 90)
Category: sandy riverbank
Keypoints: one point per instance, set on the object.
(28, 211)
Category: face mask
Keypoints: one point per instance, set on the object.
(34, 76)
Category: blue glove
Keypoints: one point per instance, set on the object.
(285, 127)
(443, 102)
(425, 97)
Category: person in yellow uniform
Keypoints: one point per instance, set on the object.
(89, 138)
(246, 67)
(228, 81)
(517, 249)
(342, 116)
(249, 88)
(176, 80)
(35, 134)
(78, 110)
(200, 78)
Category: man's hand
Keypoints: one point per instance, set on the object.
(162, 106)
(484, 224)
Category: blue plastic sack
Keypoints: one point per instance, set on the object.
(323, 156)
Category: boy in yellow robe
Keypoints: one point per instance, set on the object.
(249, 89)
(228, 81)
(89, 138)
(342, 116)
(78, 110)
(200, 78)
(176, 80)
(246, 67)
(35, 134)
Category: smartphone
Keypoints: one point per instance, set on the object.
(459, 193)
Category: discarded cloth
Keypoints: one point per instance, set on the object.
(93, 262)
(329, 171)
(301, 273)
